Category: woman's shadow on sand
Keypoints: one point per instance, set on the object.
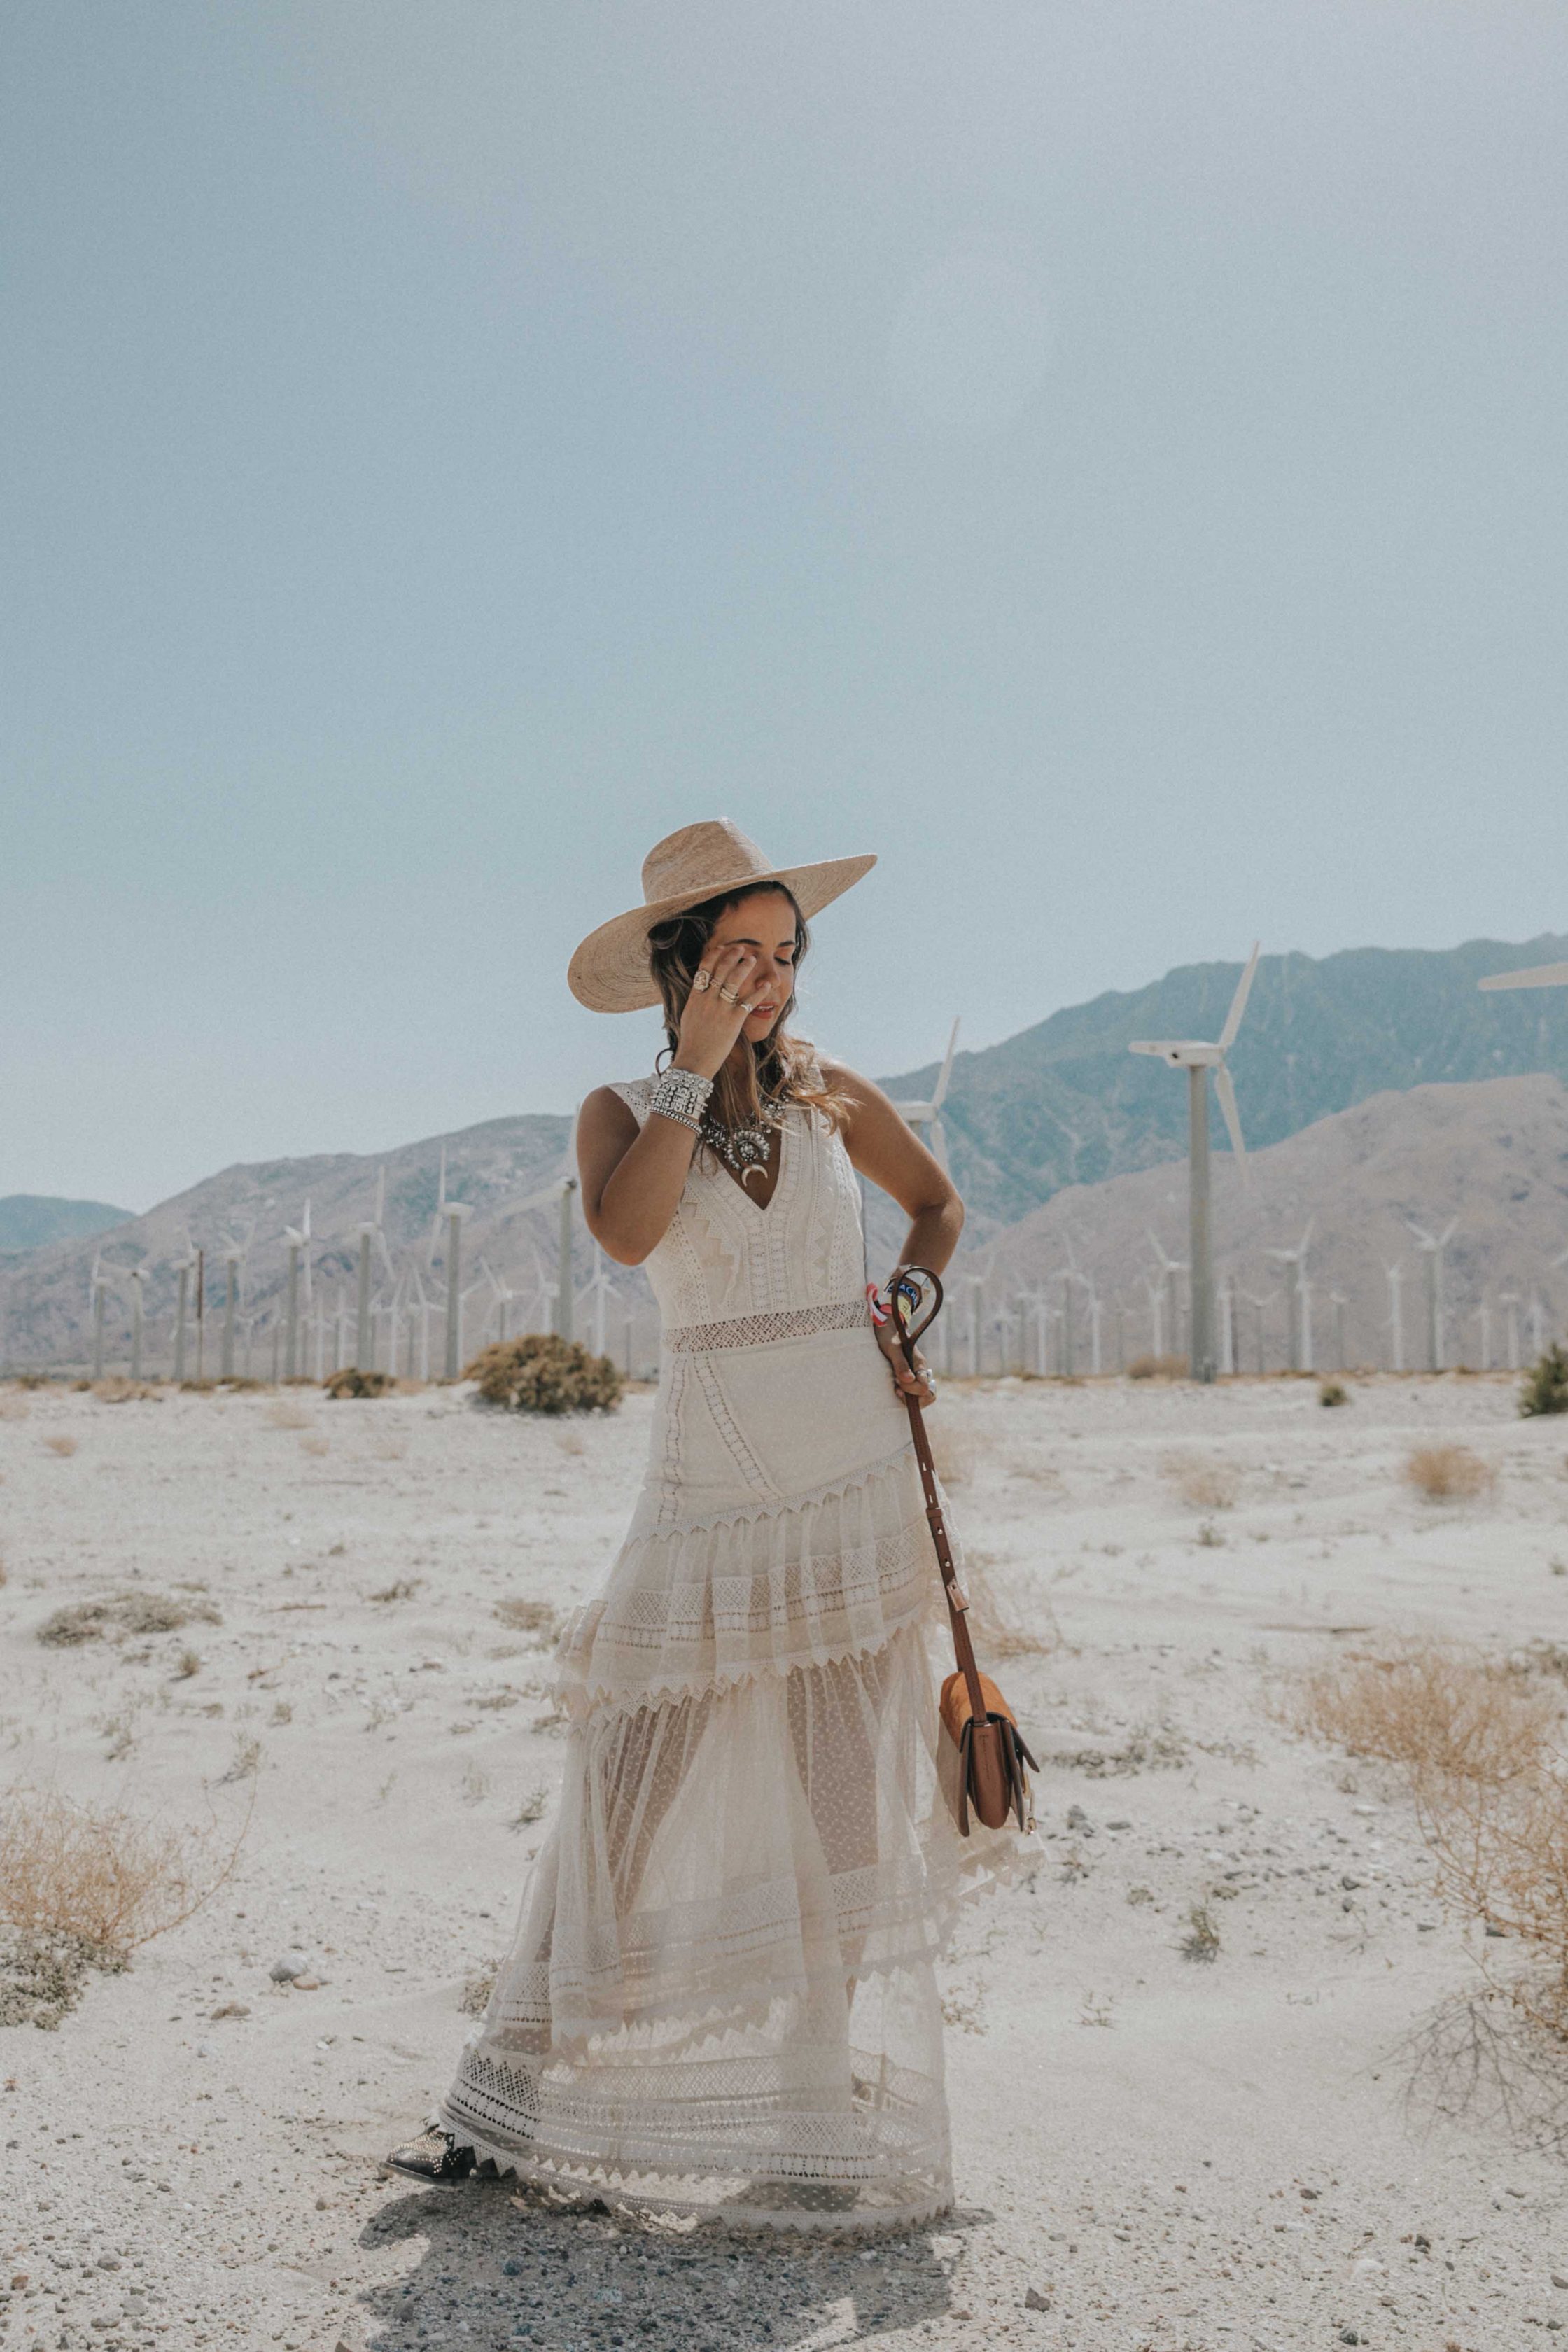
(521, 2272)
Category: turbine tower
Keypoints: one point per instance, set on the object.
(184, 1268)
(1395, 1318)
(1432, 1246)
(1297, 1299)
(927, 1115)
(1198, 1060)
(234, 1259)
(298, 1238)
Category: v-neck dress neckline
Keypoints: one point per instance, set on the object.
(729, 1177)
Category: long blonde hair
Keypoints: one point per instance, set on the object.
(778, 1071)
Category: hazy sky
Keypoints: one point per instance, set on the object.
(1107, 458)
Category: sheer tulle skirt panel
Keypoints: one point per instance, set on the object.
(722, 1990)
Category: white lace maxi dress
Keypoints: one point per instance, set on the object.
(721, 1993)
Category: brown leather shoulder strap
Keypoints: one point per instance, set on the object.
(957, 1599)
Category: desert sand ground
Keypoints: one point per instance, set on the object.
(1318, 2136)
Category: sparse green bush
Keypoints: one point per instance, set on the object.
(1334, 1392)
(350, 1381)
(542, 1373)
(1545, 1386)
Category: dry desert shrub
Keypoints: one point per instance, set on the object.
(526, 1616)
(1207, 1485)
(1481, 1744)
(117, 1391)
(404, 1589)
(82, 1887)
(284, 1415)
(1201, 1941)
(350, 1381)
(1431, 1709)
(1334, 1392)
(61, 1445)
(1448, 1473)
(543, 1373)
(120, 1613)
(1157, 1368)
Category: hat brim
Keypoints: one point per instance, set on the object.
(610, 973)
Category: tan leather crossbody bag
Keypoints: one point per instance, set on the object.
(981, 1758)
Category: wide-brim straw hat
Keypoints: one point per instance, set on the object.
(611, 972)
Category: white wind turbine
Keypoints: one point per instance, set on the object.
(1339, 1302)
(1396, 1317)
(1198, 1059)
(369, 1232)
(1509, 1301)
(454, 1212)
(601, 1290)
(99, 1292)
(1432, 1246)
(184, 1268)
(503, 1295)
(234, 1253)
(1171, 1271)
(1299, 1298)
(976, 1288)
(925, 1118)
(136, 1277)
(1483, 1316)
(1156, 1290)
(1257, 1300)
(298, 1238)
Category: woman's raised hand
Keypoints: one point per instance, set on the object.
(716, 1009)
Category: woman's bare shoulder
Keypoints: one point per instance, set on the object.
(620, 1104)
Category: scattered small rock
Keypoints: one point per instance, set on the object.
(292, 1965)
(1035, 2301)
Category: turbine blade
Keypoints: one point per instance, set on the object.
(946, 1068)
(1225, 1088)
(1238, 1001)
(1545, 975)
(1153, 1045)
(939, 1143)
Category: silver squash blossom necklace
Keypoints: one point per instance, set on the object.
(743, 1148)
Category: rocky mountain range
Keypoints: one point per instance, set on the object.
(1492, 1156)
(30, 1220)
(1056, 1132)
(1065, 1102)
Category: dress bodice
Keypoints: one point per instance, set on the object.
(725, 1258)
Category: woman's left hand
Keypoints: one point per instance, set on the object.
(920, 1383)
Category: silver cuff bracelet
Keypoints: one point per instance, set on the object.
(682, 1095)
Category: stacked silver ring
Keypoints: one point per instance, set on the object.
(682, 1095)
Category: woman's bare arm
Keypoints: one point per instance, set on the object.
(892, 1156)
(632, 1178)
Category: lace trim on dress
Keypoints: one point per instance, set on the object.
(757, 1330)
(712, 1605)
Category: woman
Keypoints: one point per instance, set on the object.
(721, 1996)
